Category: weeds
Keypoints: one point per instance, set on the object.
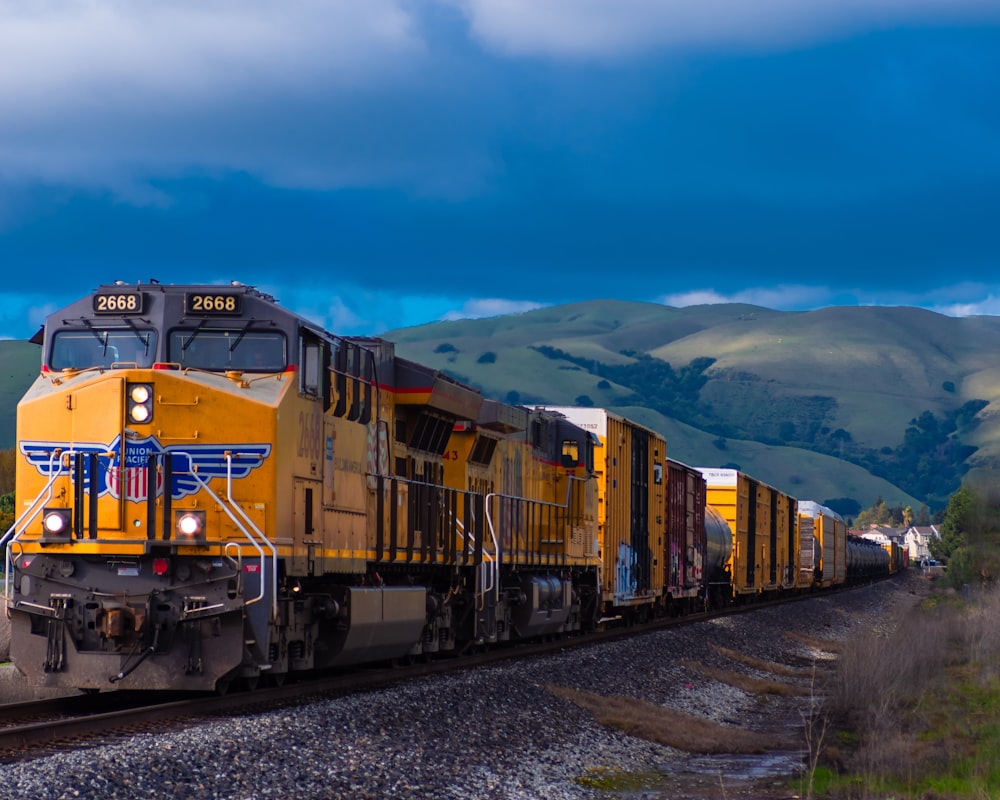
(658, 724)
(747, 683)
(922, 700)
(816, 723)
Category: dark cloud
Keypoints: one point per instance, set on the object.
(423, 163)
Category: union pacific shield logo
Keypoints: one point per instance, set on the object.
(125, 474)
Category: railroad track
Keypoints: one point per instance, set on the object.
(33, 728)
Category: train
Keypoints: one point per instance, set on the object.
(213, 490)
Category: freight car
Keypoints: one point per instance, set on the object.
(631, 476)
(764, 524)
(822, 546)
(651, 521)
(865, 559)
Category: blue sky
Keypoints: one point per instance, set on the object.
(383, 163)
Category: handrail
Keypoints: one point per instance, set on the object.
(489, 579)
(489, 514)
(222, 504)
(32, 511)
(57, 470)
(260, 533)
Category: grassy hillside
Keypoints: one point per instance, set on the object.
(883, 365)
(845, 382)
(19, 363)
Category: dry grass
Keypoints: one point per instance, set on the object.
(922, 700)
(665, 726)
(747, 683)
(770, 667)
(829, 646)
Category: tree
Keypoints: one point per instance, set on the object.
(907, 517)
(878, 514)
(957, 524)
(6, 512)
(845, 506)
(7, 470)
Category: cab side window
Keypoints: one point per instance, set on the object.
(314, 376)
(310, 374)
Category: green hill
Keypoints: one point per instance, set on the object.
(19, 363)
(792, 397)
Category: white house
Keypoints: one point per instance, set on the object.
(917, 540)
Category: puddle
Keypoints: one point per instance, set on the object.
(741, 768)
(768, 776)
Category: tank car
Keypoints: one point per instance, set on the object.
(866, 559)
(718, 559)
(213, 488)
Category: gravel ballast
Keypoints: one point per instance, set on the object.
(497, 732)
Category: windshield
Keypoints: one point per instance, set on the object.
(103, 347)
(213, 349)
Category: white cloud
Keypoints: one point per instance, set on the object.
(787, 298)
(347, 309)
(87, 53)
(114, 94)
(959, 300)
(987, 306)
(490, 307)
(615, 28)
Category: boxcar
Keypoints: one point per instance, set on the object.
(630, 465)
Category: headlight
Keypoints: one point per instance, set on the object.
(190, 524)
(140, 403)
(57, 522)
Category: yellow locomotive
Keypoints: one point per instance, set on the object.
(212, 488)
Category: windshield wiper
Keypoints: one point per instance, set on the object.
(138, 335)
(101, 336)
(239, 338)
(185, 345)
